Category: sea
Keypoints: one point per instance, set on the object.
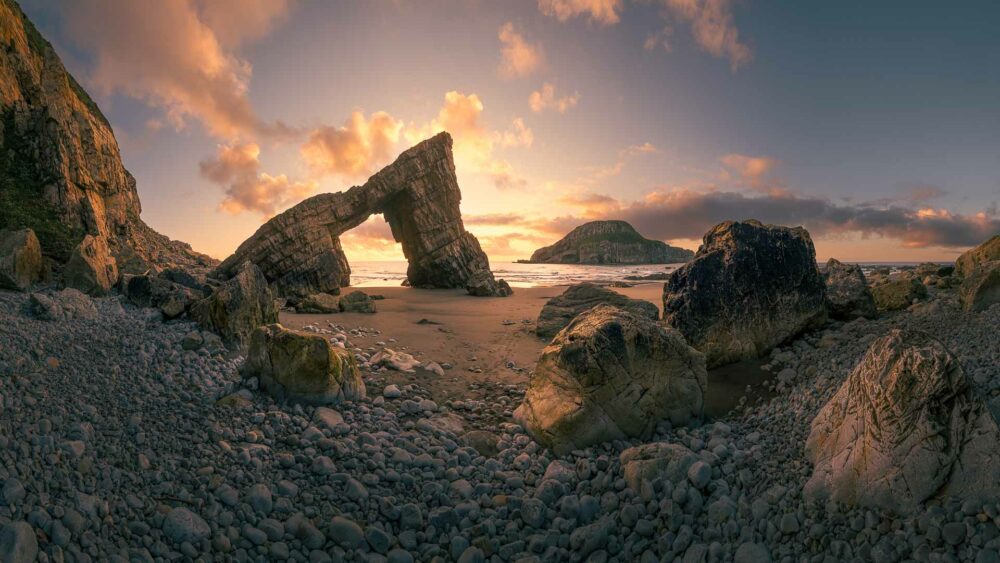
(517, 274)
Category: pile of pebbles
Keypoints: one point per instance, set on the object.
(112, 448)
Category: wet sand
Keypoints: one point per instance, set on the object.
(494, 335)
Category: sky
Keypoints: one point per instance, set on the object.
(873, 125)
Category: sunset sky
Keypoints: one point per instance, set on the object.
(874, 125)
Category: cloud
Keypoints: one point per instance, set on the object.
(755, 172)
(178, 57)
(237, 168)
(474, 142)
(685, 213)
(712, 27)
(604, 12)
(354, 150)
(597, 175)
(546, 98)
(518, 57)
(592, 204)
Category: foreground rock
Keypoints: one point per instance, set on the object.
(483, 284)
(903, 428)
(299, 251)
(981, 288)
(63, 305)
(560, 310)
(610, 375)
(148, 290)
(749, 288)
(356, 302)
(972, 258)
(20, 259)
(609, 242)
(318, 303)
(302, 367)
(91, 268)
(896, 294)
(237, 307)
(847, 293)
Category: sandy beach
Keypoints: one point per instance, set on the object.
(486, 340)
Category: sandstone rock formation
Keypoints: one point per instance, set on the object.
(847, 293)
(322, 303)
(749, 288)
(611, 375)
(981, 288)
(483, 284)
(560, 310)
(302, 367)
(171, 298)
(61, 173)
(299, 251)
(91, 268)
(357, 302)
(985, 252)
(609, 242)
(903, 428)
(896, 294)
(20, 259)
(238, 306)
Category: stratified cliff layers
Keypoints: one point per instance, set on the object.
(299, 250)
(609, 242)
(61, 173)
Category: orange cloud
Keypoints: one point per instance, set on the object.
(355, 149)
(756, 172)
(518, 57)
(604, 12)
(177, 57)
(546, 98)
(237, 168)
(713, 28)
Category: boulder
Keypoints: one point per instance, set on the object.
(611, 375)
(171, 298)
(560, 310)
(482, 284)
(91, 268)
(299, 251)
(896, 294)
(972, 258)
(18, 543)
(749, 288)
(399, 361)
(237, 307)
(20, 259)
(981, 288)
(357, 302)
(318, 303)
(302, 367)
(904, 427)
(658, 460)
(847, 293)
(63, 305)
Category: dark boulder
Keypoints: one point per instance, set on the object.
(238, 306)
(561, 309)
(847, 293)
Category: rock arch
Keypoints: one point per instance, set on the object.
(299, 250)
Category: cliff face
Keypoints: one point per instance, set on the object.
(609, 242)
(299, 250)
(61, 173)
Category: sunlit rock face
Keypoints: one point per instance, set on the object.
(972, 258)
(749, 288)
(906, 426)
(299, 250)
(60, 166)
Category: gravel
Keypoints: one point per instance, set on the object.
(113, 447)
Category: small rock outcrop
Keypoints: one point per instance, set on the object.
(20, 259)
(483, 284)
(302, 367)
(561, 309)
(981, 288)
(847, 293)
(299, 251)
(91, 268)
(657, 460)
(899, 293)
(321, 303)
(611, 375)
(609, 242)
(905, 427)
(970, 259)
(749, 288)
(63, 305)
(357, 302)
(237, 307)
(171, 298)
